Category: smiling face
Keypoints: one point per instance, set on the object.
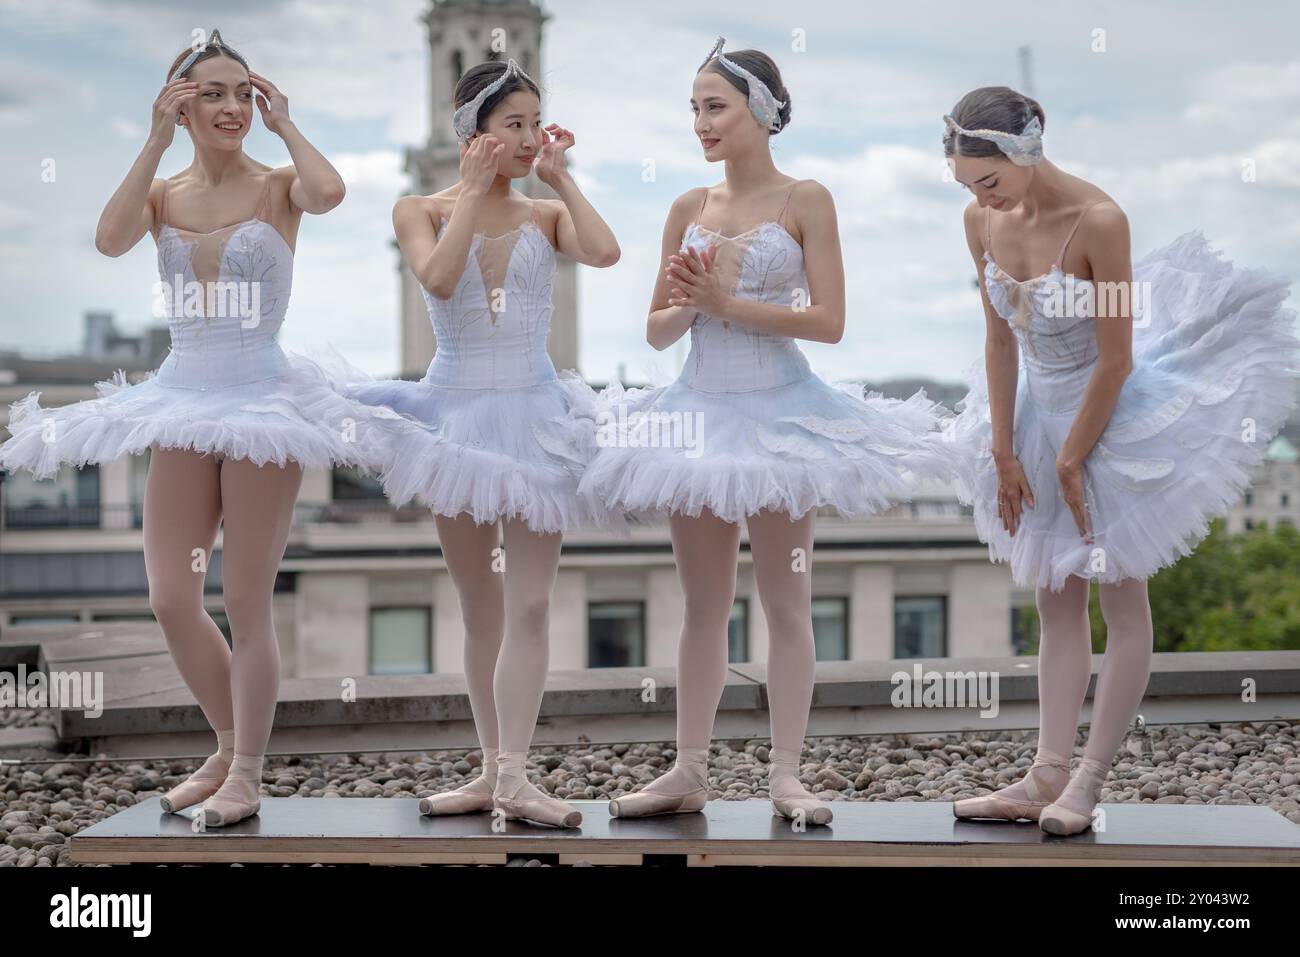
(220, 115)
(995, 181)
(723, 121)
(517, 121)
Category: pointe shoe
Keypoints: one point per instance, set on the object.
(472, 798)
(999, 807)
(539, 809)
(799, 805)
(462, 800)
(543, 810)
(199, 786)
(1065, 816)
(646, 803)
(237, 798)
(811, 810)
(693, 764)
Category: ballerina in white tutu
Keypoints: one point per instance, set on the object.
(508, 436)
(1147, 394)
(748, 432)
(230, 419)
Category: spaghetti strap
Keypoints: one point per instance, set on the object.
(700, 214)
(988, 232)
(162, 204)
(263, 202)
(781, 214)
(1060, 259)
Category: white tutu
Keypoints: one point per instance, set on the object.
(226, 387)
(492, 453)
(790, 448)
(293, 416)
(748, 426)
(1213, 380)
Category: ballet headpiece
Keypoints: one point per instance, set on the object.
(765, 107)
(465, 120)
(214, 40)
(1023, 149)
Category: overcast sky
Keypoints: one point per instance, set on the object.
(1163, 119)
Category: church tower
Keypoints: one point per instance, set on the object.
(462, 33)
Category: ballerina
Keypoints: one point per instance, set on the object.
(763, 439)
(230, 418)
(1108, 453)
(510, 437)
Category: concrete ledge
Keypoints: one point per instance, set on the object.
(147, 708)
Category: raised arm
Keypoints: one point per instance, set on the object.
(816, 313)
(439, 263)
(317, 186)
(579, 231)
(130, 212)
(667, 323)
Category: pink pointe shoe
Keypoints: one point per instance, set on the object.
(693, 764)
(1039, 789)
(238, 797)
(521, 801)
(1071, 813)
(472, 798)
(199, 786)
(790, 799)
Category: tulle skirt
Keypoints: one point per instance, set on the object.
(1213, 380)
(791, 448)
(491, 453)
(296, 416)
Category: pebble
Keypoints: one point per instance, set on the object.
(41, 806)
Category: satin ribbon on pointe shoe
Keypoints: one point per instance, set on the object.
(999, 807)
(472, 798)
(1071, 813)
(238, 797)
(511, 780)
(694, 763)
(784, 774)
(204, 782)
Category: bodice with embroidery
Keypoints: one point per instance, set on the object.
(492, 331)
(224, 293)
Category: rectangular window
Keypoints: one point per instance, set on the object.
(920, 626)
(615, 634)
(400, 641)
(831, 628)
(69, 500)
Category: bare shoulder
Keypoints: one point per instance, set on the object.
(1104, 221)
(412, 208)
(689, 201)
(974, 219)
(809, 197)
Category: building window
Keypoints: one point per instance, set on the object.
(69, 500)
(1286, 499)
(1249, 524)
(400, 641)
(920, 626)
(738, 631)
(1249, 499)
(615, 634)
(831, 628)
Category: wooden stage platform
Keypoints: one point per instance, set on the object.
(391, 831)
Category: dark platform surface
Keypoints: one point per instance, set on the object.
(869, 833)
